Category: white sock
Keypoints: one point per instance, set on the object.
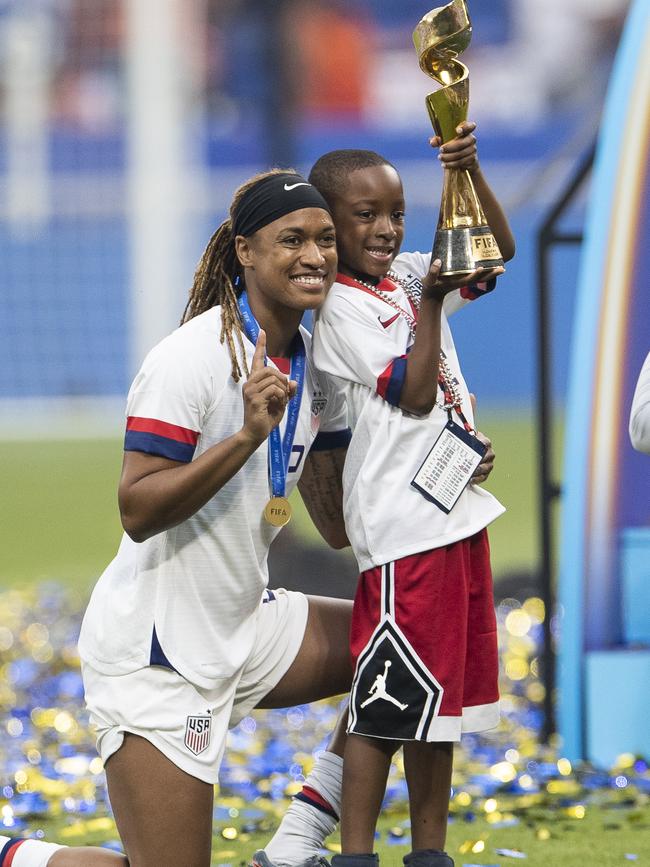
(29, 853)
(304, 827)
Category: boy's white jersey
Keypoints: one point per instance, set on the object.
(192, 593)
(362, 341)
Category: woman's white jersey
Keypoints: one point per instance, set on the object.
(189, 596)
(362, 341)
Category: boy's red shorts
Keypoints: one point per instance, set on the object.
(424, 642)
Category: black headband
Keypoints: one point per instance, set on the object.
(271, 199)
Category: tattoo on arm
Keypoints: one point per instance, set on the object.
(321, 489)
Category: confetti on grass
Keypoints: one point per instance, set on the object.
(49, 767)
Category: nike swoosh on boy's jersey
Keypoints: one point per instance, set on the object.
(388, 321)
(293, 186)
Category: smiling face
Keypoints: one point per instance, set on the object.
(291, 262)
(369, 219)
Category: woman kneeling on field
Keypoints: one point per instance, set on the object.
(181, 638)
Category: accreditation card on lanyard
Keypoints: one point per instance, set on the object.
(278, 509)
(448, 468)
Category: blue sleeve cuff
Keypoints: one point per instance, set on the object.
(476, 290)
(328, 440)
(154, 444)
(391, 381)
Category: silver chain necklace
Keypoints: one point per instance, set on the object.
(414, 296)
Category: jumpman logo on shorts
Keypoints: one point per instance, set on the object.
(378, 690)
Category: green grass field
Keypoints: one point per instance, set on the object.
(607, 836)
(601, 839)
(59, 519)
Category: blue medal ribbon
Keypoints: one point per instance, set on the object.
(279, 447)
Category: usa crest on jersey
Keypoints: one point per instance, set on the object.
(197, 733)
(318, 404)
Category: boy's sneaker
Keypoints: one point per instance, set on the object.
(261, 859)
(428, 858)
(355, 861)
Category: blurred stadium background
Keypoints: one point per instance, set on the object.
(126, 127)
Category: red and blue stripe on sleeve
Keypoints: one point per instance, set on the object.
(9, 850)
(391, 381)
(160, 438)
(476, 290)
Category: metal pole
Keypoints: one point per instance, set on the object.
(159, 96)
(26, 35)
(548, 489)
(545, 464)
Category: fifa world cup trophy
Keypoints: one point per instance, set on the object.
(463, 241)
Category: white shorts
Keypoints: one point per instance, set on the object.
(186, 723)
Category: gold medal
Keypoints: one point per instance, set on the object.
(278, 511)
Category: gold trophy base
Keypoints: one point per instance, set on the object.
(464, 250)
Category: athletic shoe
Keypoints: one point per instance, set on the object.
(356, 860)
(261, 859)
(428, 858)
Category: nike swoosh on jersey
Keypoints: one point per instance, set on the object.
(289, 187)
(388, 322)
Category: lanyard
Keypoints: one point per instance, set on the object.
(279, 447)
(451, 396)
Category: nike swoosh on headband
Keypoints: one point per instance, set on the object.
(289, 187)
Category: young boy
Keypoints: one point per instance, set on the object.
(423, 630)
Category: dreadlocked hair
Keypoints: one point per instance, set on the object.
(218, 279)
(330, 173)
